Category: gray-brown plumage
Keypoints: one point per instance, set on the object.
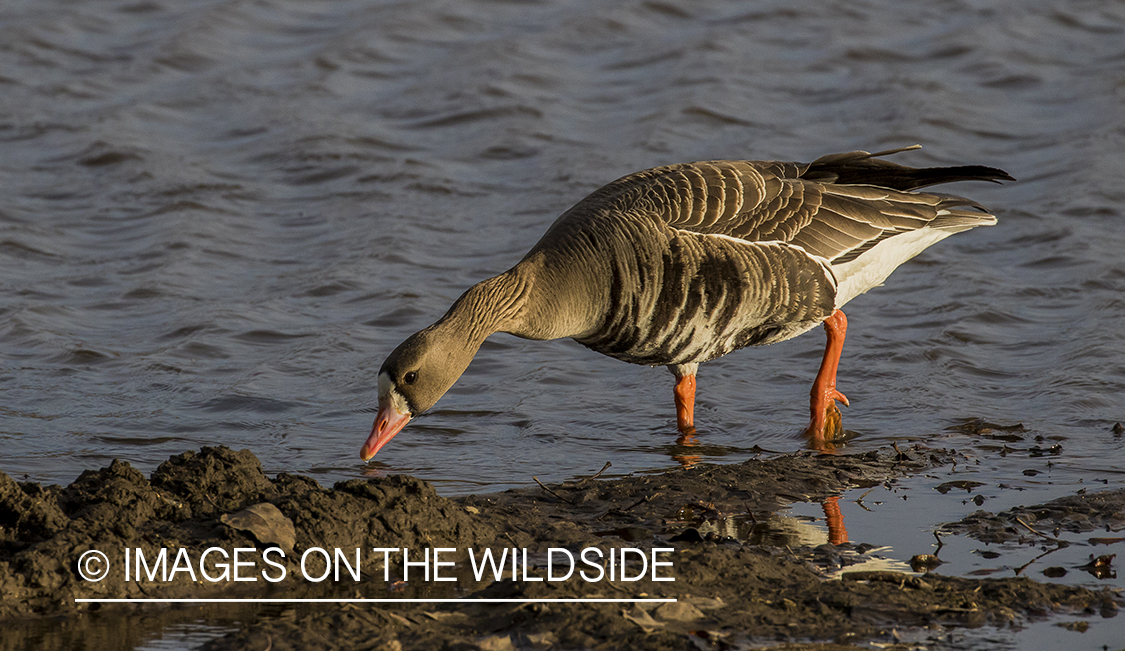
(681, 264)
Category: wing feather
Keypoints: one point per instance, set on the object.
(834, 208)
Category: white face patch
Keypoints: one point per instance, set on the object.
(389, 394)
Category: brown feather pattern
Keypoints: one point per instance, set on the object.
(678, 265)
(683, 263)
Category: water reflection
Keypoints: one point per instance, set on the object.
(837, 532)
(767, 528)
(686, 440)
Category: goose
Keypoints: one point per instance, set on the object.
(678, 265)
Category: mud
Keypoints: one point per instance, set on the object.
(731, 591)
(1081, 513)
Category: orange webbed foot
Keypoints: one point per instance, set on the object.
(825, 428)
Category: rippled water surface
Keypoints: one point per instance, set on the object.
(218, 216)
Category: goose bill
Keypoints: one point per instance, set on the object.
(388, 422)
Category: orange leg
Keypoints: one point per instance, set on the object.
(825, 424)
(685, 403)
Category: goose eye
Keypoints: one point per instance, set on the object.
(410, 377)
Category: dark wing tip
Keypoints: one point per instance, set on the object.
(864, 168)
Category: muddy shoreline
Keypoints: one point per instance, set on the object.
(707, 526)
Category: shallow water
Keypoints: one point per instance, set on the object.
(219, 216)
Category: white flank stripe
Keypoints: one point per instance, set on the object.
(872, 268)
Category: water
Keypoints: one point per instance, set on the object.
(219, 216)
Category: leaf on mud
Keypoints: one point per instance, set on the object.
(399, 618)
(546, 639)
(1101, 561)
(498, 642)
(925, 562)
(266, 523)
(1101, 567)
(640, 617)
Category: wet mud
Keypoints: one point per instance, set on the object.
(1084, 512)
(740, 578)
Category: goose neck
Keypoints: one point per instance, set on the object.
(493, 305)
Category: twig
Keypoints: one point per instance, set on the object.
(1059, 544)
(1049, 551)
(551, 491)
(641, 501)
(597, 474)
(940, 544)
(1037, 533)
(859, 500)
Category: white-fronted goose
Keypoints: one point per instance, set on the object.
(681, 264)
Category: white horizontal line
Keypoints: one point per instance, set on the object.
(591, 600)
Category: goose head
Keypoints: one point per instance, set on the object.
(413, 378)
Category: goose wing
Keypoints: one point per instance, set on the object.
(834, 208)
